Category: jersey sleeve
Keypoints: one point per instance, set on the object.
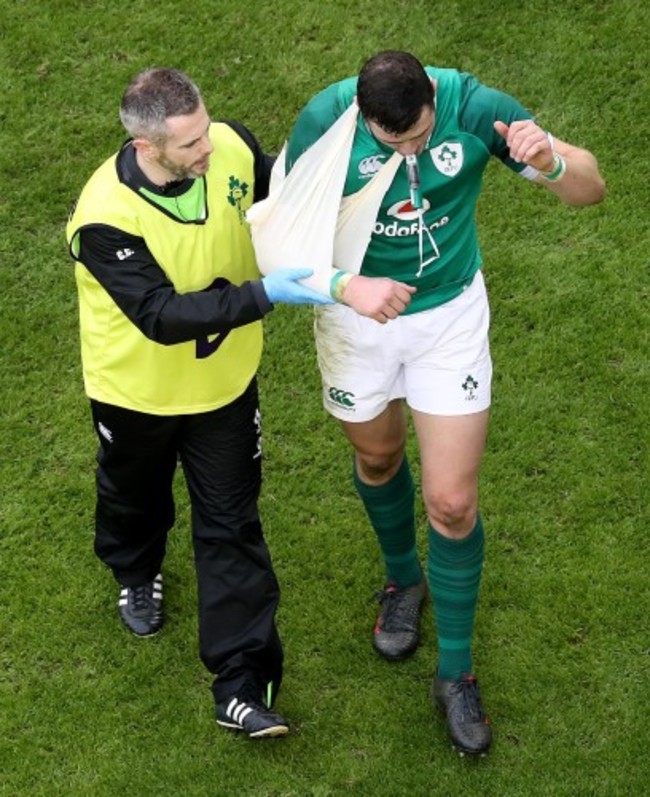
(316, 118)
(128, 272)
(480, 107)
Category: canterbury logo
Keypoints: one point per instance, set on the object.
(371, 165)
(341, 397)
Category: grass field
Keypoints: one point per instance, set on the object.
(562, 643)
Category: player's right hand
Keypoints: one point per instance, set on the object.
(377, 297)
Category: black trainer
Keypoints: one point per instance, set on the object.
(397, 630)
(141, 608)
(246, 712)
(468, 726)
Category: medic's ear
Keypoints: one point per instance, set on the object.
(146, 148)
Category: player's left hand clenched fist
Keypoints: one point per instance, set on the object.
(527, 143)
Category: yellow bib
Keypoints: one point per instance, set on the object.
(120, 365)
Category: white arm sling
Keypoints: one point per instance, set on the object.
(305, 222)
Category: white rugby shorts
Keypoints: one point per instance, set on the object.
(438, 360)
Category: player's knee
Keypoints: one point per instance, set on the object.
(453, 512)
(377, 468)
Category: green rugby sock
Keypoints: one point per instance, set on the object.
(391, 511)
(454, 570)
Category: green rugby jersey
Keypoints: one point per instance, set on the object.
(451, 169)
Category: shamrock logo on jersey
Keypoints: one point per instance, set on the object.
(448, 158)
(237, 191)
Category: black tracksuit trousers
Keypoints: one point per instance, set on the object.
(220, 453)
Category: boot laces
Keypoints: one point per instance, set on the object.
(467, 689)
(399, 609)
(141, 596)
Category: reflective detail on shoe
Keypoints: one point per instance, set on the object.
(467, 723)
(244, 713)
(397, 631)
(141, 607)
(158, 588)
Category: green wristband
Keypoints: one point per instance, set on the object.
(338, 283)
(559, 167)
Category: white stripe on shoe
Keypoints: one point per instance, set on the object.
(238, 711)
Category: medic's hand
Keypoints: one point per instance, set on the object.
(283, 286)
(377, 297)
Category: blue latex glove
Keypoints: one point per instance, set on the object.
(283, 286)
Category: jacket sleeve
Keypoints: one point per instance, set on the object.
(128, 272)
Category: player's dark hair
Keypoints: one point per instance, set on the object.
(152, 97)
(392, 90)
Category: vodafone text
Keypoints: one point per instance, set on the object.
(396, 230)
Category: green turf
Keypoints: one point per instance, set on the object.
(562, 646)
